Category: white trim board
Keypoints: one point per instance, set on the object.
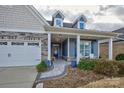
(23, 30)
(81, 34)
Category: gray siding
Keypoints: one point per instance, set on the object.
(75, 25)
(18, 17)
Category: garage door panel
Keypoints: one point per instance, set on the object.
(13, 55)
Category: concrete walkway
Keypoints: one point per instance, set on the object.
(17, 77)
(58, 70)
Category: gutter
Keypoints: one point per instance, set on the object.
(120, 38)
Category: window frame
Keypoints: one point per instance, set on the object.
(17, 43)
(3, 43)
(55, 23)
(33, 43)
(79, 22)
(84, 49)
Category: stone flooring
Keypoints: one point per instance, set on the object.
(58, 70)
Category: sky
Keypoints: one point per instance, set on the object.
(102, 18)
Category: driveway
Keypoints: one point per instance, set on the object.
(17, 77)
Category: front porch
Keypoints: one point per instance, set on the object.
(77, 43)
(75, 47)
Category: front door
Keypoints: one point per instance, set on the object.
(55, 50)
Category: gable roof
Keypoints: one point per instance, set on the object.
(34, 10)
(78, 18)
(58, 12)
(121, 30)
(79, 31)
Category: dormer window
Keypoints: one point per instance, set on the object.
(80, 22)
(58, 22)
(81, 25)
(58, 18)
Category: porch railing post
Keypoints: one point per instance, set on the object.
(110, 49)
(68, 48)
(78, 48)
(49, 46)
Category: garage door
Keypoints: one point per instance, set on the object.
(19, 53)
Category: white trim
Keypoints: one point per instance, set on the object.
(58, 12)
(103, 41)
(61, 49)
(78, 48)
(22, 30)
(110, 49)
(120, 38)
(49, 46)
(34, 11)
(78, 18)
(20, 40)
(104, 36)
(98, 49)
(68, 52)
(55, 24)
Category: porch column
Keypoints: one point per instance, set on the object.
(68, 49)
(78, 48)
(110, 49)
(61, 49)
(49, 46)
(98, 49)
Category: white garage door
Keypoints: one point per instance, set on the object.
(19, 53)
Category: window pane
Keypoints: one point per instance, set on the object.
(58, 23)
(3, 43)
(87, 45)
(81, 25)
(82, 52)
(82, 46)
(17, 43)
(33, 44)
(87, 52)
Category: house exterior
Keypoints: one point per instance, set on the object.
(26, 37)
(118, 45)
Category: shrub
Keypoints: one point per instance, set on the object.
(41, 67)
(121, 68)
(120, 57)
(108, 68)
(87, 64)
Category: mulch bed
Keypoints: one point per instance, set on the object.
(74, 78)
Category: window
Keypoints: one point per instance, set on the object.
(1, 37)
(58, 22)
(81, 25)
(85, 48)
(33, 44)
(12, 37)
(3, 43)
(17, 43)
